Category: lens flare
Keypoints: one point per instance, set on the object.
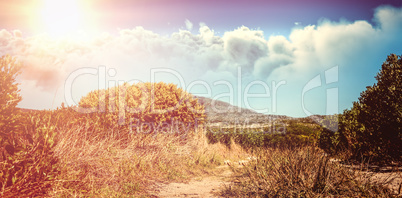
(62, 17)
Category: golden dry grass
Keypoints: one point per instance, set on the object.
(110, 165)
(300, 172)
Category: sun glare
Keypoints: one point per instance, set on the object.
(62, 17)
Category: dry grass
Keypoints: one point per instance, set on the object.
(302, 172)
(110, 165)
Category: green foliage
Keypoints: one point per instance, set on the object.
(9, 98)
(330, 139)
(300, 172)
(289, 134)
(26, 140)
(144, 107)
(30, 170)
(28, 165)
(373, 127)
(381, 111)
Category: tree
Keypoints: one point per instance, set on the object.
(9, 98)
(27, 162)
(381, 110)
(373, 126)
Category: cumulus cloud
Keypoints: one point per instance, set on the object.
(48, 61)
(389, 18)
(280, 54)
(243, 47)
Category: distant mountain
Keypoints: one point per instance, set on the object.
(223, 112)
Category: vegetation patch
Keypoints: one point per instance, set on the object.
(300, 172)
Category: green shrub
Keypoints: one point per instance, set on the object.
(144, 107)
(9, 98)
(372, 128)
(300, 172)
(27, 164)
(291, 134)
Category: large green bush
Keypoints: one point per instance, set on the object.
(372, 128)
(27, 164)
(144, 107)
(9, 98)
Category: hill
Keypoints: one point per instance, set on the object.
(223, 112)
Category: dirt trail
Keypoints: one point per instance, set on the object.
(208, 186)
(197, 187)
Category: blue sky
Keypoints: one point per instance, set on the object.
(290, 57)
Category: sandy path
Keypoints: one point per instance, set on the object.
(388, 175)
(209, 186)
(198, 187)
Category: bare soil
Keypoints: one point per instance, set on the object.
(209, 186)
(388, 175)
(391, 177)
(198, 187)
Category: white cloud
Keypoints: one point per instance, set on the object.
(389, 18)
(135, 51)
(243, 47)
(280, 54)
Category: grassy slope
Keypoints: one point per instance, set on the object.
(113, 166)
(301, 172)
